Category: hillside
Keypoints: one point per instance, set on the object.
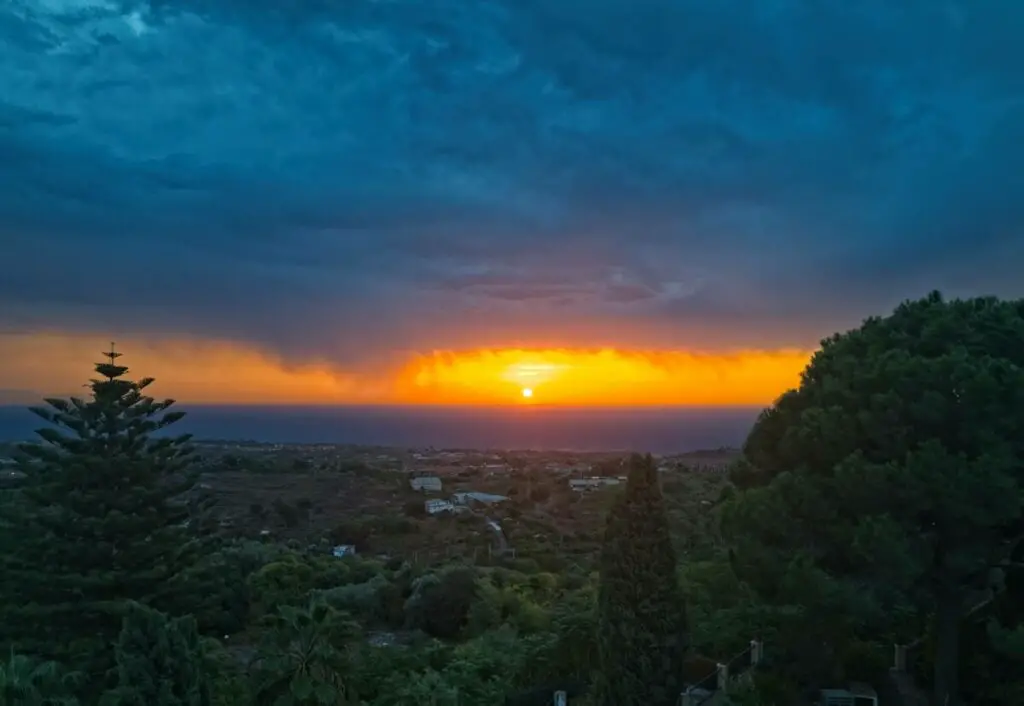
(344, 496)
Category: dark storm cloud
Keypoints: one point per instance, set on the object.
(336, 178)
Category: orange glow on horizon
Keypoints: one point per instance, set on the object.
(212, 372)
(601, 377)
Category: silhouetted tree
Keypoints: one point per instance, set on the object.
(895, 470)
(642, 631)
(101, 517)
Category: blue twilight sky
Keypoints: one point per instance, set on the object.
(345, 178)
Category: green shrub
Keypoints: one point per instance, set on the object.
(415, 508)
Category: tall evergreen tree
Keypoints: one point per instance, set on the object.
(100, 518)
(642, 631)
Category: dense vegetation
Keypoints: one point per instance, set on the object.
(879, 503)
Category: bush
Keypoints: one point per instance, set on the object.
(773, 688)
(697, 668)
(351, 532)
(540, 493)
(289, 515)
(390, 524)
(415, 508)
(364, 600)
(440, 603)
(866, 661)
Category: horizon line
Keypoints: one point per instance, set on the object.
(418, 405)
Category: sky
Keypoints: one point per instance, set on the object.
(441, 201)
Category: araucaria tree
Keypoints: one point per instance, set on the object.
(897, 466)
(101, 518)
(642, 631)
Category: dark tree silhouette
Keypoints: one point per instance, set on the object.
(642, 630)
(101, 517)
(896, 468)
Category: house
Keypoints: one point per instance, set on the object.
(567, 468)
(469, 498)
(427, 484)
(583, 484)
(343, 550)
(433, 507)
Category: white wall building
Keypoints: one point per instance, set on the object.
(427, 484)
(434, 507)
(581, 484)
(473, 497)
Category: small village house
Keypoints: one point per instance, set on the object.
(426, 484)
(470, 498)
(436, 506)
(583, 484)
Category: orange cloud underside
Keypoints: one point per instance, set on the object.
(602, 377)
(204, 372)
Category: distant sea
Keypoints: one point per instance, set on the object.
(658, 430)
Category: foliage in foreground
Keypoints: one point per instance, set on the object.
(892, 478)
(160, 661)
(876, 504)
(25, 682)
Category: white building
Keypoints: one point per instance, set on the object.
(470, 497)
(343, 550)
(436, 506)
(582, 484)
(427, 484)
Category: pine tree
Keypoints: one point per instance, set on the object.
(160, 661)
(642, 631)
(100, 518)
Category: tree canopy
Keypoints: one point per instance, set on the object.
(160, 661)
(896, 466)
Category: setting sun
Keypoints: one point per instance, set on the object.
(602, 377)
(45, 364)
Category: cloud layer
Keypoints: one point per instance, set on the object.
(356, 180)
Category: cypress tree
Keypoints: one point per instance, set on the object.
(642, 631)
(100, 518)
